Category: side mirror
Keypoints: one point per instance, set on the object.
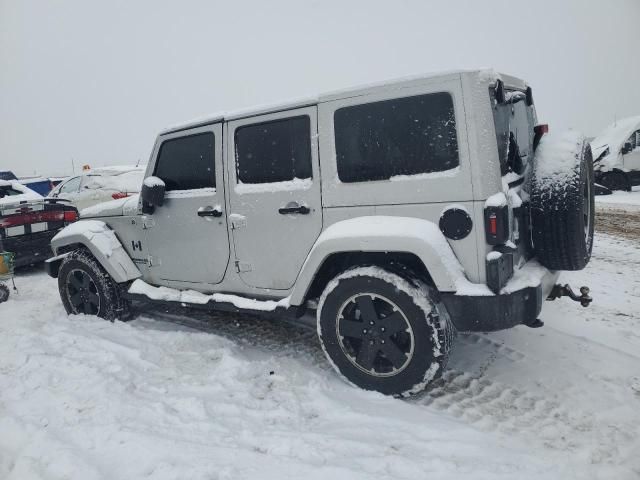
(626, 148)
(152, 194)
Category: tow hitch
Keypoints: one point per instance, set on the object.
(565, 291)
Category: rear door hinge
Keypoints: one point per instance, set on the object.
(237, 221)
(242, 266)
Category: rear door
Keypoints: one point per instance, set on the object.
(187, 236)
(274, 192)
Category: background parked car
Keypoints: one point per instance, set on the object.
(616, 153)
(28, 222)
(12, 191)
(100, 185)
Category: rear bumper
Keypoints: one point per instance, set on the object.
(30, 249)
(518, 303)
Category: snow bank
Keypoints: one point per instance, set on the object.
(87, 399)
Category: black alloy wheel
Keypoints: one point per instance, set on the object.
(375, 335)
(82, 293)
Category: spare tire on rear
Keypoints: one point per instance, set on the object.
(562, 202)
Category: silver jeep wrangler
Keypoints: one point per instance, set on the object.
(400, 213)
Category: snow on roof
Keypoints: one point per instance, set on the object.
(484, 75)
(614, 137)
(116, 169)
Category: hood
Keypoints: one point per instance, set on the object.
(112, 208)
(613, 138)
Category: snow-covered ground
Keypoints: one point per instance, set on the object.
(627, 200)
(169, 397)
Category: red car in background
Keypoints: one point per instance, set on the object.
(28, 222)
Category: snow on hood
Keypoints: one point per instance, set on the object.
(25, 195)
(613, 138)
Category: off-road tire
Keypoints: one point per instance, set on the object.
(82, 265)
(562, 216)
(616, 180)
(431, 332)
(4, 293)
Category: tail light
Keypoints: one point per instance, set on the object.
(70, 216)
(496, 220)
(30, 217)
(539, 131)
(118, 195)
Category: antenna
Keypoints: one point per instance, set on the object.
(73, 167)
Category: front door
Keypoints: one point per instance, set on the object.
(274, 192)
(187, 235)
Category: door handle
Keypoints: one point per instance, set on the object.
(210, 212)
(294, 208)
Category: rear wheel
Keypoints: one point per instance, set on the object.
(86, 288)
(382, 333)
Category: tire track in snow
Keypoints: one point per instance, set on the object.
(472, 398)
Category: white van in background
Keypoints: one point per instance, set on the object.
(616, 153)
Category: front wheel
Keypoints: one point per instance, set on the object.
(86, 288)
(382, 333)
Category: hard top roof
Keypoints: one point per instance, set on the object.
(487, 75)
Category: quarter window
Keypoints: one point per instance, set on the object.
(187, 163)
(404, 136)
(275, 151)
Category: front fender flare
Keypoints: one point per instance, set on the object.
(103, 245)
(384, 234)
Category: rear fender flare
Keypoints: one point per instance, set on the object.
(383, 234)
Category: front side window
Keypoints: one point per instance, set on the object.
(275, 151)
(403, 136)
(187, 163)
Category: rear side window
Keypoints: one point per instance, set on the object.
(404, 136)
(274, 151)
(187, 163)
(8, 192)
(71, 186)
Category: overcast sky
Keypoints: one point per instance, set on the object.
(96, 80)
